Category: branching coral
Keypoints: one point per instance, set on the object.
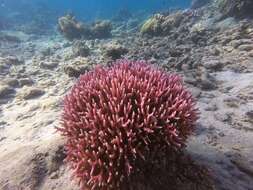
(115, 118)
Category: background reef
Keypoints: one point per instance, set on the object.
(44, 49)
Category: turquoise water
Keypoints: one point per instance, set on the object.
(90, 9)
(107, 8)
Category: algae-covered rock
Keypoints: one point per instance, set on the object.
(161, 24)
(152, 25)
(71, 29)
(235, 8)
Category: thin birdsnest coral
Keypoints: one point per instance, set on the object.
(119, 117)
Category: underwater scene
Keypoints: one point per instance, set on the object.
(126, 95)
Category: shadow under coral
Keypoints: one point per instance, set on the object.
(177, 172)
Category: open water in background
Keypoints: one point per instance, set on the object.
(89, 9)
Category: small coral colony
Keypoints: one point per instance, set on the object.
(117, 117)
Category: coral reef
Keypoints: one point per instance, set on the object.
(114, 50)
(152, 25)
(101, 29)
(117, 118)
(71, 29)
(161, 24)
(235, 8)
(80, 48)
(77, 67)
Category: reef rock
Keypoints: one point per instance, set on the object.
(161, 24)
(235, 8)
(77, 67)
(30, 93)
(80, 49)
(114, 50)
(6, 91)
(25, 82)
(11, 60)
(71, 29)
(152, 26)
(101, 29)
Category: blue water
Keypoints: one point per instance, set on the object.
(90, 9)
(107, 8)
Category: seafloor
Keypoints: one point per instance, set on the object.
(213, 54)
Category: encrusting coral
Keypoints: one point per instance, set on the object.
(116, 118)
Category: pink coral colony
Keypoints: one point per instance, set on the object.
(114, 116)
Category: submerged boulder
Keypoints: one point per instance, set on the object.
(235, 8)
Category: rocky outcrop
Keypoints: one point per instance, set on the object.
(159, 24)
(72, 29)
